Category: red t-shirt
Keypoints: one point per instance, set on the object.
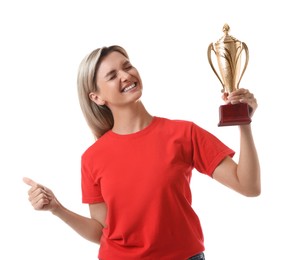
(144, 180)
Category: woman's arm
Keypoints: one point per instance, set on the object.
(43, 198)
(244, 176)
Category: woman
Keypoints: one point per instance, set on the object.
(136, 175)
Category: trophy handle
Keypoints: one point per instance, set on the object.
(245, 48)
(209, 52)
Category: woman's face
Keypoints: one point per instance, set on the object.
(119, 83)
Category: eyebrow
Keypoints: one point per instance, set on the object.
(112, 72)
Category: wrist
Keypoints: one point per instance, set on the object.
(57, 208)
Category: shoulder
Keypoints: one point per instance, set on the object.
(177, 128)
(174, 122)
(179, 125)
(183, 127)
(97, 147)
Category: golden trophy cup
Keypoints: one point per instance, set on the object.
(228, 51)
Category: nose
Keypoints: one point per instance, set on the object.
(124, 75)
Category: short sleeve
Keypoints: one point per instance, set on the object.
(208, 150)
(91, 189)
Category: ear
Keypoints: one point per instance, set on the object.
(97, 99)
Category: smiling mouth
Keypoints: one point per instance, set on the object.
(126, 89)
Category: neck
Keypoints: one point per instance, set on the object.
(132, 119)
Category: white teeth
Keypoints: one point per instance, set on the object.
(129, 88)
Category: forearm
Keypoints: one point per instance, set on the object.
(248, 170)
(88, 228)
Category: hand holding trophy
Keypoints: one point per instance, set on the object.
(228, 51)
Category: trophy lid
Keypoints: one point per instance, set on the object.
(226, 38)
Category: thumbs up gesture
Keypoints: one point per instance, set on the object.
(40, 196)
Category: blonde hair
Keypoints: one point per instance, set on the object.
(99, 118)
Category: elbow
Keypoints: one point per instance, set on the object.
(96, 238)
(254, 192)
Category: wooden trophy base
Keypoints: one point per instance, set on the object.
(236, 114)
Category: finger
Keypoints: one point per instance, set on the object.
(225, 96)
(37, 191)
(39, 197)
(241, 90)
(248, 98)
(240, 95)
(30, 182)
(40, 203)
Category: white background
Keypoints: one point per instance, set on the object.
(43, 133)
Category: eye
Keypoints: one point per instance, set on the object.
(112, 76)
(128, 67)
